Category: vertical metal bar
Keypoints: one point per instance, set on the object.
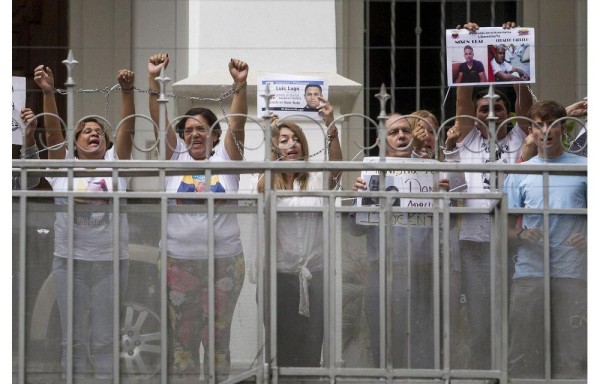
(446, 290)
(367, 61)
(409, 306)
(70, 62)
(212, 377)
(418, 31)
(547, 302)
(271, 364)
(70, 266)
(436, 284)
(162, 113)
(469, 11)
(393, 54)
(272, 268)
(338, 291)
(70, 84)
(503, 360)
(22, 276)
(383, 97)
(269, 344)
(442, 57)
(163, 282)
(162, 128)
(382, 284)
(495, 304)
(262, 374)
(491, 120)
(116, 274)
(328, 309)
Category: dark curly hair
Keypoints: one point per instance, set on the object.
(210, 117)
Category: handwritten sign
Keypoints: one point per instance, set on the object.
(414, 182)
(18, 103)
(490, 55)
(291, 95)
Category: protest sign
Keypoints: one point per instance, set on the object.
(408, 181)
(291, 95)
(18, 103)
(490, 55)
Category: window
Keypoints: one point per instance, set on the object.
(409, 36)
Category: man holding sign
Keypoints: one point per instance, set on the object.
(411, 249)
(472, 145)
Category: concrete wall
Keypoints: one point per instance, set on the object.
(561, 48)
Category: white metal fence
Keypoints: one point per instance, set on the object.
(140, 329)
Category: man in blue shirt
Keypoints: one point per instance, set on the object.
(567, 258)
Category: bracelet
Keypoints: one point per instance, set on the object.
(241, 87)
(332, 135)
(520, 233)
(127, 89)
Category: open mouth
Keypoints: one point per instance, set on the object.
(546, 140)
(94, 142)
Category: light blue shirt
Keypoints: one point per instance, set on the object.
(526, 190)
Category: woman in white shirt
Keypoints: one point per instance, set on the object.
(300, 253)
(92, 230)
(187, 233)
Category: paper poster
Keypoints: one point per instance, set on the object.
(418, 182)
(18, 103)
(490, 55)
(291, 95)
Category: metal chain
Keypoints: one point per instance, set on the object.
(107, 90)
(222, 96)
(535, 99)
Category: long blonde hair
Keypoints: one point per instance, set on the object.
(278, 182)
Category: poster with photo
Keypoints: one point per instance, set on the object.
(18, 103)
(490, 55)
(407, 181)
(291, 95)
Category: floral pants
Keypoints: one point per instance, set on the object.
(187, 283)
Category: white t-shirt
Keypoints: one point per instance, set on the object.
(187, 233)
(474, 149)
(92, 231)
(504, 67)
(300, 234)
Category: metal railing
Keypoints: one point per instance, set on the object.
(263, 213)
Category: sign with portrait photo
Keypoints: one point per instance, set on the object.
(490, 55)
(407, 181)
(291, 95)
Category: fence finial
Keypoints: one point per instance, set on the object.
(70, 62)
(383, 97)
(162, 81)
(267, 96)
